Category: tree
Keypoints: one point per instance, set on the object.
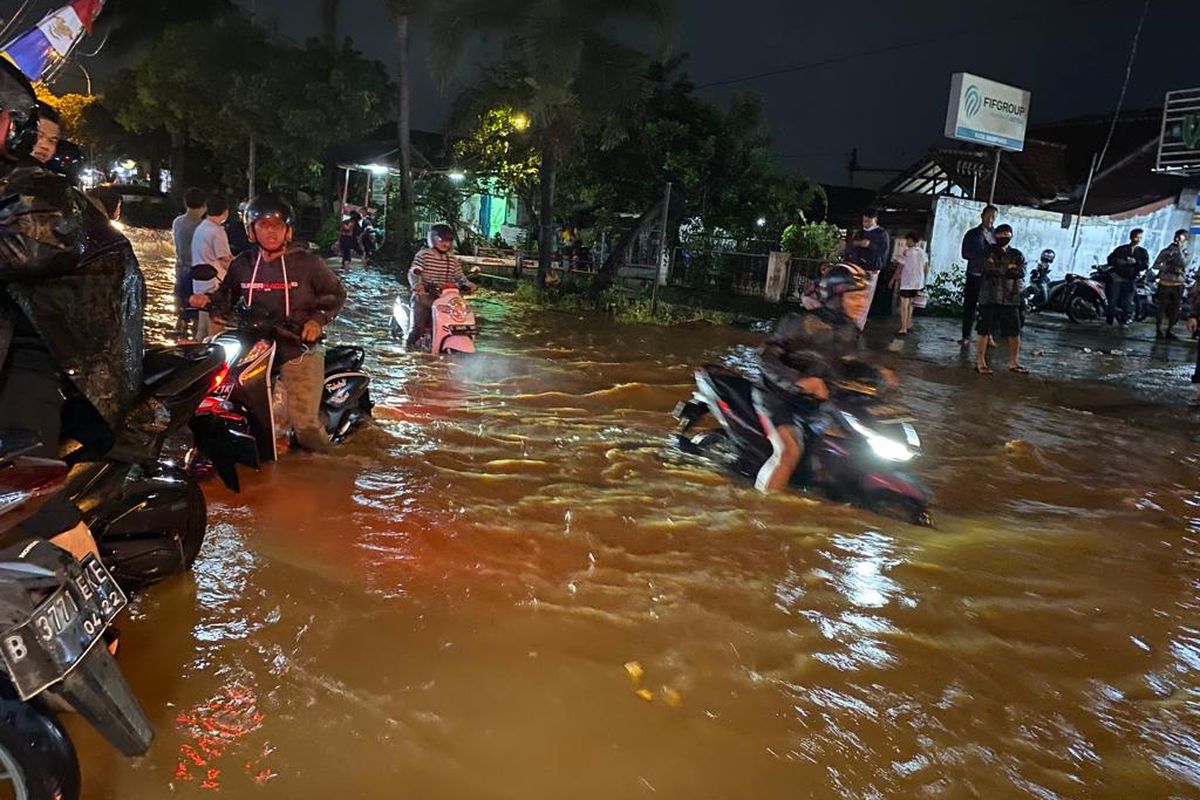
(579, 76)
(719, 161)
(402, 12)
(499, 154)
(71, 107)
(285, 105)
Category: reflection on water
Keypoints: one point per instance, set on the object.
(446, 607)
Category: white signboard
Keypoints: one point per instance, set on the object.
(987, 112)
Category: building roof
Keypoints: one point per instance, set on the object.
(1052, 171)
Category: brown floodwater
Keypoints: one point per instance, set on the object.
(446, 607)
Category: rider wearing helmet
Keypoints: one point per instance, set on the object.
(432, 268)
(57, 349)
(292, 286)
(807, 349)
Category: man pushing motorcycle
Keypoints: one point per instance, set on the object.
(808, 349)
(296, 288)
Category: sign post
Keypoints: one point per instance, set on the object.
(986, 112)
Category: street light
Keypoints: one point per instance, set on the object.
(762, 222)
(520, 121)
(378, 169)
(457, 177)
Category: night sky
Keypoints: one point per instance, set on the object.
(891, 105)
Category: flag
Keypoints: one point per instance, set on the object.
(53, 37)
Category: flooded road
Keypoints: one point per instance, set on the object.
(511, 587)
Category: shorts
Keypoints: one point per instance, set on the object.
(31, 399)
(909, 293)
(997, 320)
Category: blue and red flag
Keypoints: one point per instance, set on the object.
(52, 39)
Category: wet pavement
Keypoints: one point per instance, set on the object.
(513, 587)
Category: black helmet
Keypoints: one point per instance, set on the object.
(841, 279)
(268, 206)
(440, 232)
(18, 100)
(1047, 256)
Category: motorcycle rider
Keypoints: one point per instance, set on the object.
(1171, 266)
(807, 349)
(433, 267)
(58, 351)
(293, 286)
(1125, 264)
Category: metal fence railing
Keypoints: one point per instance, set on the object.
(722, 272)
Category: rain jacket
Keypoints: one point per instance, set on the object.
(817, 344)
(69, 278)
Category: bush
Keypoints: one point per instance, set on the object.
(811, 240)
(946, 292)
(621, 303)
(327, 236)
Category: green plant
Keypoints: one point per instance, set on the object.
(812, 240)
(327, 236)
(946, 292)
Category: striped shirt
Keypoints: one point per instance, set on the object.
(436, 268)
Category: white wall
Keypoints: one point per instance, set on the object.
(1034, 231)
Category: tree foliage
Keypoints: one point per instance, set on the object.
(294, 102)
(72, 108)
(499, 154)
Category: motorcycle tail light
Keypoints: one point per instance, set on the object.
(219, 378)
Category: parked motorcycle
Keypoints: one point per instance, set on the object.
(236, 423)
(453, 328)
(54, 611)
(855, 449)
(148, 516)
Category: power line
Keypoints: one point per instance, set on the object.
(1137, 36)
(940, 38)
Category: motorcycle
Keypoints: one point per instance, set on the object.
(55, 612)
(148, 516)
(453, 327)
(236, 424)
(855, 447)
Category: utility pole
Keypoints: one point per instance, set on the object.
(664, 252)
(995, 175)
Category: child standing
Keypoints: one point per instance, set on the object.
(910, 278)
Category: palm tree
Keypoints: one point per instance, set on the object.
(578, 72)
(329, 22)
(402, 12)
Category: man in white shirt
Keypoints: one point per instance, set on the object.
(910, 278)
(211, 257)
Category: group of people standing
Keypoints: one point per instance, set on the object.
(992, 295)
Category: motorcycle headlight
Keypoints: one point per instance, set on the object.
(885, 447)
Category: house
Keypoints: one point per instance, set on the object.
(1057, 193)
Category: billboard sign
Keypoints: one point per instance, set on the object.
(1179, 144)
(986, 112)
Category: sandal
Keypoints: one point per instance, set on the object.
(1019, 369)
(984, 370)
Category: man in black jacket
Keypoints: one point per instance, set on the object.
(1124, 265)
(298, 290)
(71, 299)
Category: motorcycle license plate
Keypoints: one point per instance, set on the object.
(63, 629)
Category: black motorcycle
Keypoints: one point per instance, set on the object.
(855, 446)
(147, 515)
(235, 424)
(54, 611)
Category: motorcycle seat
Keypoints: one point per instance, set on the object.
(168, 371)
(344, 359)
